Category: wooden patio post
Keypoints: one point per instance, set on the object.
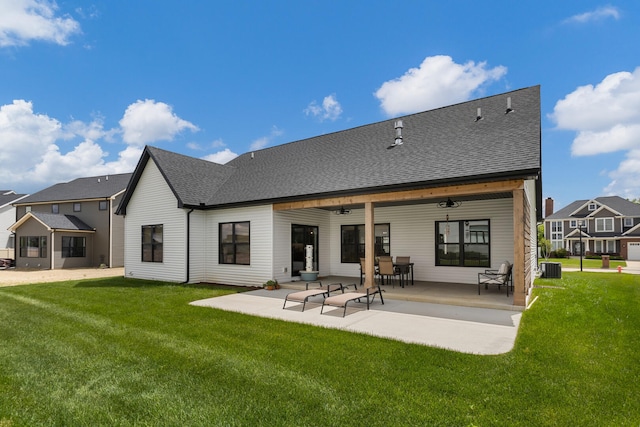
(369, 245)
(517, 274)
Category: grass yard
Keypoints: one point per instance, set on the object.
(128, 352)
(574, 262)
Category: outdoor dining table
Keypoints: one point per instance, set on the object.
(404, 269)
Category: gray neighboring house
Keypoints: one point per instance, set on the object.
(610, 225)
(72, 224)
(8, 217)
(458, 189)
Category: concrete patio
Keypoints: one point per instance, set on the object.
(433, 292)
(444, 315)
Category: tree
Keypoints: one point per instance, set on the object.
(543, 244)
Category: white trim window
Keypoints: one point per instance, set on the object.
(605, 246)
(628, 222)
(604, 224)
(592, 207)
(556, 234)
(573, 224)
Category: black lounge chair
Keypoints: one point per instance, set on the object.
(500, 277)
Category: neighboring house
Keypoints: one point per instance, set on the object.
(610, 225)
(8, 217)
(72, 225)
(242, 223)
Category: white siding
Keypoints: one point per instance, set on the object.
(7, 218)
(154, 203)
(197, 255)
(261, 238)
(412, 230)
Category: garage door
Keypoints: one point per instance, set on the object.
(634, 251)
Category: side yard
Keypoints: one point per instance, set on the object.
(118, 351)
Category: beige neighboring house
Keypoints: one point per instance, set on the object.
(71, 225)
(8, 217)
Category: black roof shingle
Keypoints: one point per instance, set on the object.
(445, 145)
(62, 222)
(96, 187)
(617, 203)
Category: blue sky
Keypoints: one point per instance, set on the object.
(84, 85)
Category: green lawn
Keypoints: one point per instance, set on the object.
(586, 263)
(128, 352)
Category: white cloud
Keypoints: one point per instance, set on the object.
(329, 110)
(625, 181)
(595, 15)
(437, 82)
(33, 156)
(606, 118)
(24, 135)
(22, 21)
(263, 141)
(147, 121)
(221, 157)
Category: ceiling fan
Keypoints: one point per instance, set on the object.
(342, 211)
(449, 203)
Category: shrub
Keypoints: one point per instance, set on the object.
(561, 253)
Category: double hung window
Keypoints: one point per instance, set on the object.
(604, 224)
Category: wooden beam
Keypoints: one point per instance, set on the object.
(517, 274)
(405, 195)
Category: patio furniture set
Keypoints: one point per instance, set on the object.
(341, 299)
(387, 268)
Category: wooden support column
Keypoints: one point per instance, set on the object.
(369, 245)
(519, 221)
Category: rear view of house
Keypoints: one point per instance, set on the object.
(457, 189)
(71, 225)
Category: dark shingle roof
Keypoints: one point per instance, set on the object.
(445, 145)
(62, 222)
(96, 187)
(616, 203)
(439, 145)
(6, 199)
(192, 180)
